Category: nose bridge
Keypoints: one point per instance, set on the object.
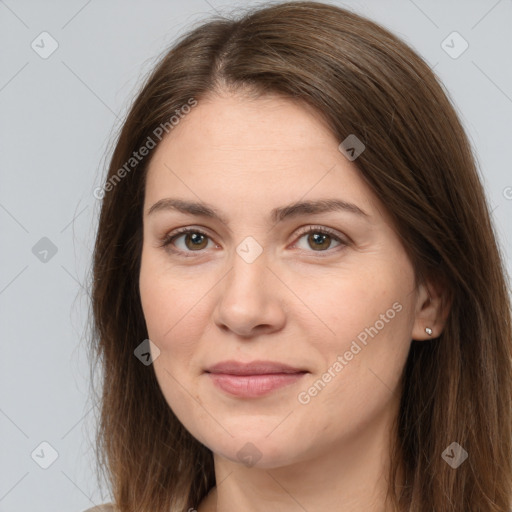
(248, 275)
(248, 298)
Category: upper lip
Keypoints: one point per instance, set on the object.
(252, 368)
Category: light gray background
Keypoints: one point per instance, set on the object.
(58, 118)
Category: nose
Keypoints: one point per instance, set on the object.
(250, 300)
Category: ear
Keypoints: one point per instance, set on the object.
(432, 308)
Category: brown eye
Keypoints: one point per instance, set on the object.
(320, 239)
(194, 241)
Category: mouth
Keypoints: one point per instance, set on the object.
(255, 379)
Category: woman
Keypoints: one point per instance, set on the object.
(299, 301)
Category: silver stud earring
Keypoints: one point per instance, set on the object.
(428, 330)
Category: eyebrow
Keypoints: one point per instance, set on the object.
(201, 209)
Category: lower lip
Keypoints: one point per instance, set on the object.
(252, 386)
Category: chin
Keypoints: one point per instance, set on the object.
(256, 451)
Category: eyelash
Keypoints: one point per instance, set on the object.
(167, 241)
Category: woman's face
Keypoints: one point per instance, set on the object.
(329, 291)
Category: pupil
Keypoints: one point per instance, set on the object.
(196, 238)
(320, 237)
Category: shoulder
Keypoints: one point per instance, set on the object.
(107, 507)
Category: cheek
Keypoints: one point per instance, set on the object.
(342, 306)
(364, 332)
(162, 313)
(362, 362)
(169, 303)
(172, 313)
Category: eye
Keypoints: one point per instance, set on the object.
(320, 238)
(195, 240)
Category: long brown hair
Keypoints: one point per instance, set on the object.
(363, 80)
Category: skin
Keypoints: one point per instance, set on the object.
(294, 303)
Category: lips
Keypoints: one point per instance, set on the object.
(253, 380)
(253, 368)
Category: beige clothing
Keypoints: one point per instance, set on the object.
(107, 507)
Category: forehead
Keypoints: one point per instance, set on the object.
(269, 128)
(268, 121)
(239, 149)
